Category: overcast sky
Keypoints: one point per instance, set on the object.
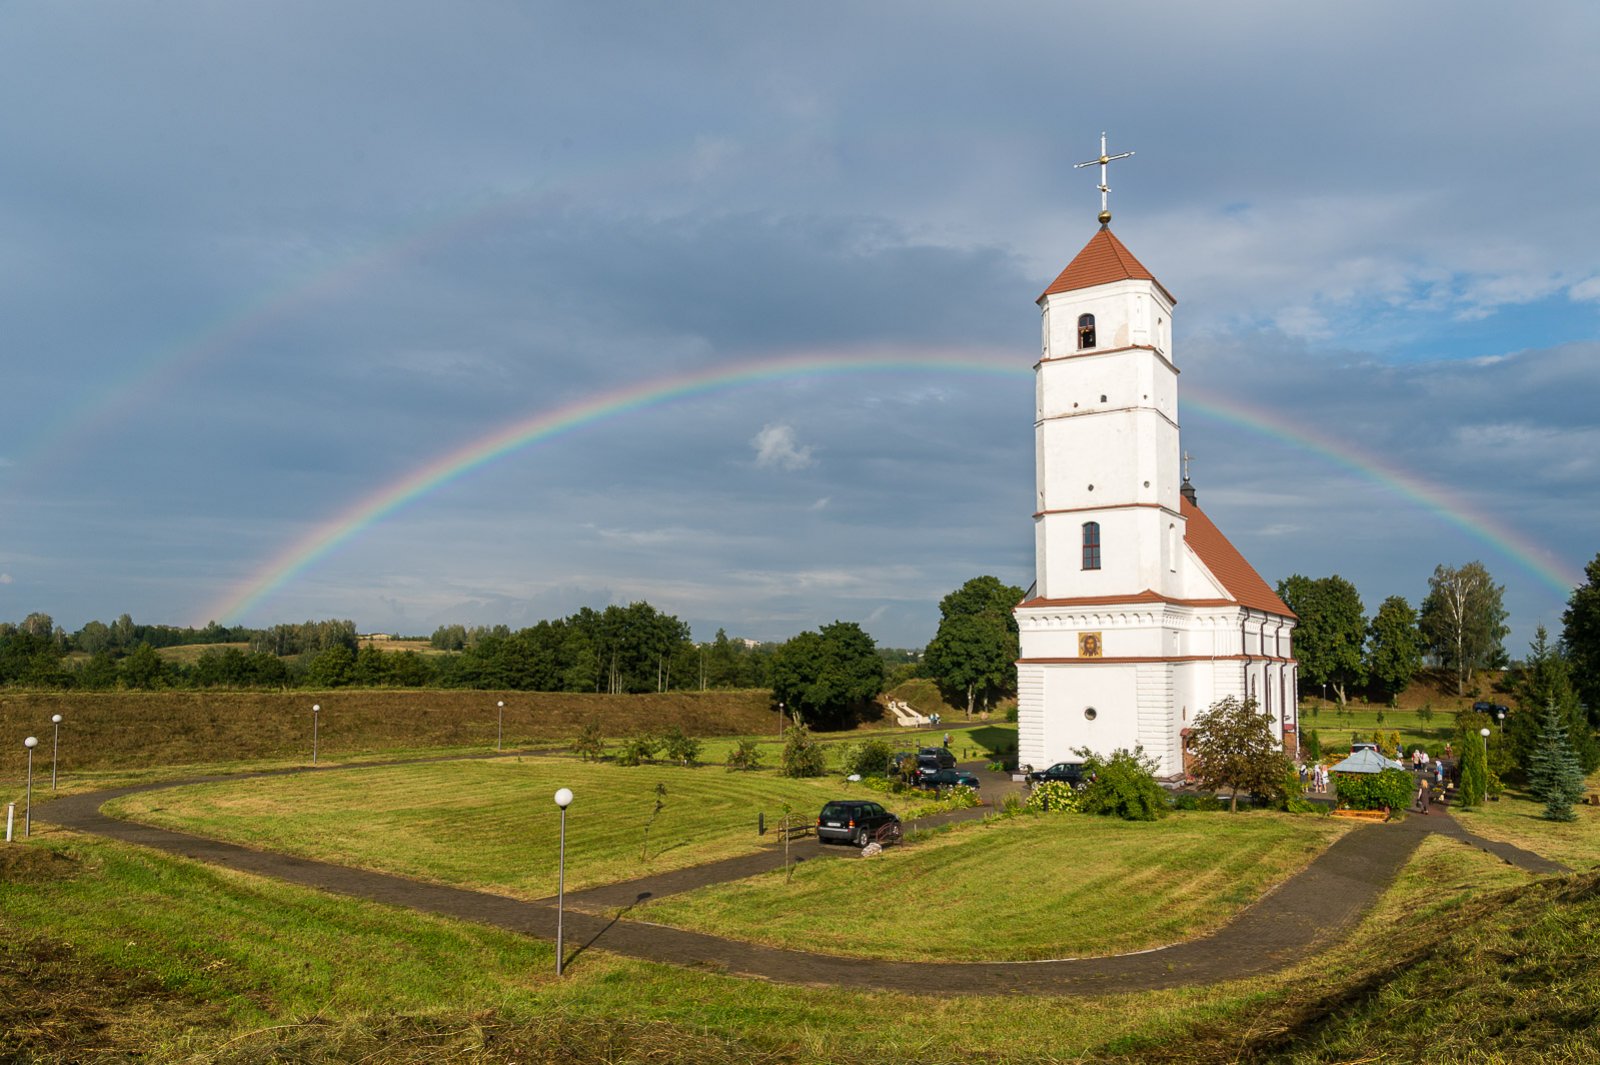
(259, 262)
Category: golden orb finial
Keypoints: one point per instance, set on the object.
(1105, 218)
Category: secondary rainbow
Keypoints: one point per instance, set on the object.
(550, 424)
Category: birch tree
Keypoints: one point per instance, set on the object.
(1463, 619)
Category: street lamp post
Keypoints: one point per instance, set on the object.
(500, 722)
(316, 712)
(27, 810)
(780, 721)
(563, 800)
(1501, 714)
(55, 749)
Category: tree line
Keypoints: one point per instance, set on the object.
(1460, 626)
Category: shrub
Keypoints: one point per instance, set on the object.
(870, 758)
(679, 746)
(959, 797)
(1189, 801)
(638, 749)
(1294, 791)
(1123, 785)
(1391, 788)
(590, 745)
(1055, 796)
(745, 755)
(802, 755)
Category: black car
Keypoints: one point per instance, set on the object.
(854, 821)
(1067, 772)
(947, 778)
(926, 759)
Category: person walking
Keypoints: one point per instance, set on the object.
(1422, 796)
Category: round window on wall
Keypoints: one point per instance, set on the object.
(1088, 713)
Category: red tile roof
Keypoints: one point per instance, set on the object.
(1103, 260)
(1238, 577)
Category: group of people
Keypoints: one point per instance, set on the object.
(1316, 776)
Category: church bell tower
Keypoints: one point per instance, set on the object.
(1142, 613)
(1107, 521)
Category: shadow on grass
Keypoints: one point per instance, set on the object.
(993, 738)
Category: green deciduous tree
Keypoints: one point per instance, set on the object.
(333, 667)
(826, 678)
(1463, 620)
(1581, 638)
(1328, 641)
(1235, 749)
(1394, 645)
(143, 669)
(974, 653)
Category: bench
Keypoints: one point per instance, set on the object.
(794, 829)
(1364, 815)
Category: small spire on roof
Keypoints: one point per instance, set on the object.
(1105, 210)
(1187, 488)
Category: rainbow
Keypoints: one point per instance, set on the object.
(143, 379)
(550, 424)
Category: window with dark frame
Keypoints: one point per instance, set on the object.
(1085, 331)
(1091, 545)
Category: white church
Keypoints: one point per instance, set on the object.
(1142, 614)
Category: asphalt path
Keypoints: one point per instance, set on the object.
(1304, 914)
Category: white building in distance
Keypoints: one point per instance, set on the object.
(1142, 614)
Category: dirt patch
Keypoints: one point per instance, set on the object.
(23, 864)
(62, 1007)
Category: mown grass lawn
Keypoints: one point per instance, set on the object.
(492, 823)
(1018, 889)
(1518, 819)
(158, 959)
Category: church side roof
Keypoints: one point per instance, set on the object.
(1225, 562)
(1103, 260)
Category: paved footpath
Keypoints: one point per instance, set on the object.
(1306, 912)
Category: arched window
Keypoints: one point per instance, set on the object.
(1091, 545)
(1085, 331)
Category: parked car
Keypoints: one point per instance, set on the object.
(1067, 772)
(947, 778)
(855, 821)
(928, 760)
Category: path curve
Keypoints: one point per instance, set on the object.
(1308, 911)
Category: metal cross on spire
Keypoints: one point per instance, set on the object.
(1105, 211)
(1186, 458)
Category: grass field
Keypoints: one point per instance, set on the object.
(1073, 886)
(1519, 820)
(111, 952)
(492, 823)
